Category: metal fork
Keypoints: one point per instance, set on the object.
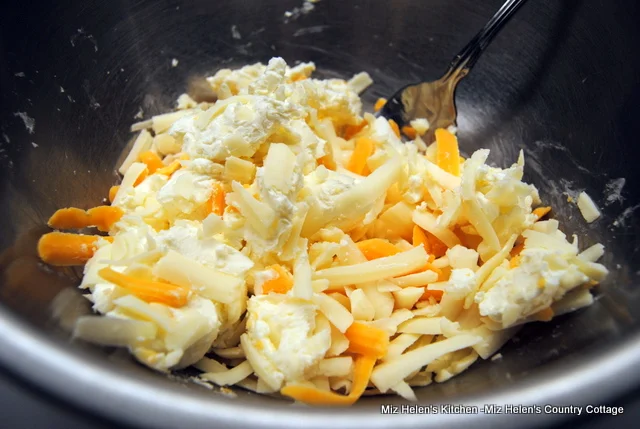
(435, 100)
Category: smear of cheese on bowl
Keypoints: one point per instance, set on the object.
(280, 240)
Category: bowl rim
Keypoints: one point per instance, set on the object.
(55, 368)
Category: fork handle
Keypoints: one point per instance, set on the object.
(469, 55)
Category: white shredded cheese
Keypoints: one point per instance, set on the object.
(379, 269)
(588, 208)
(391, 372)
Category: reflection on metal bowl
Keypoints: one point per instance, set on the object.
(562, 82)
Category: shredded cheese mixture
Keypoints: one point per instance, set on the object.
(310, 250)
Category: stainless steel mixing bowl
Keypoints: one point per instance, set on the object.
(562, 82)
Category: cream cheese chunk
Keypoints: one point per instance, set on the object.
(283, 331)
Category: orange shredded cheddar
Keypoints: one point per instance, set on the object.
(540, 212)
(468, 236)
(298, 78)
(281, 284)
(444, 274)
(157, 224)
(517, 249)
(314, 396)
(102, 217)
(112, 192)
(515, 261)
(169, 169)
(148, 290)
(393, 194)
(363, 367)
(437, 247)
(367, 340)
(151, 160)
(447, 153)
(141, 177)
(380, 102)
(395, 127)
(419, 237)
(544, 315)
(375, 248)
(363, 150)
(350, 131)
(217, 199)
(64, 249)
(69, 218)
(436, 294)
(410, 132)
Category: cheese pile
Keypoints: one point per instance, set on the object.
(308, 250)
